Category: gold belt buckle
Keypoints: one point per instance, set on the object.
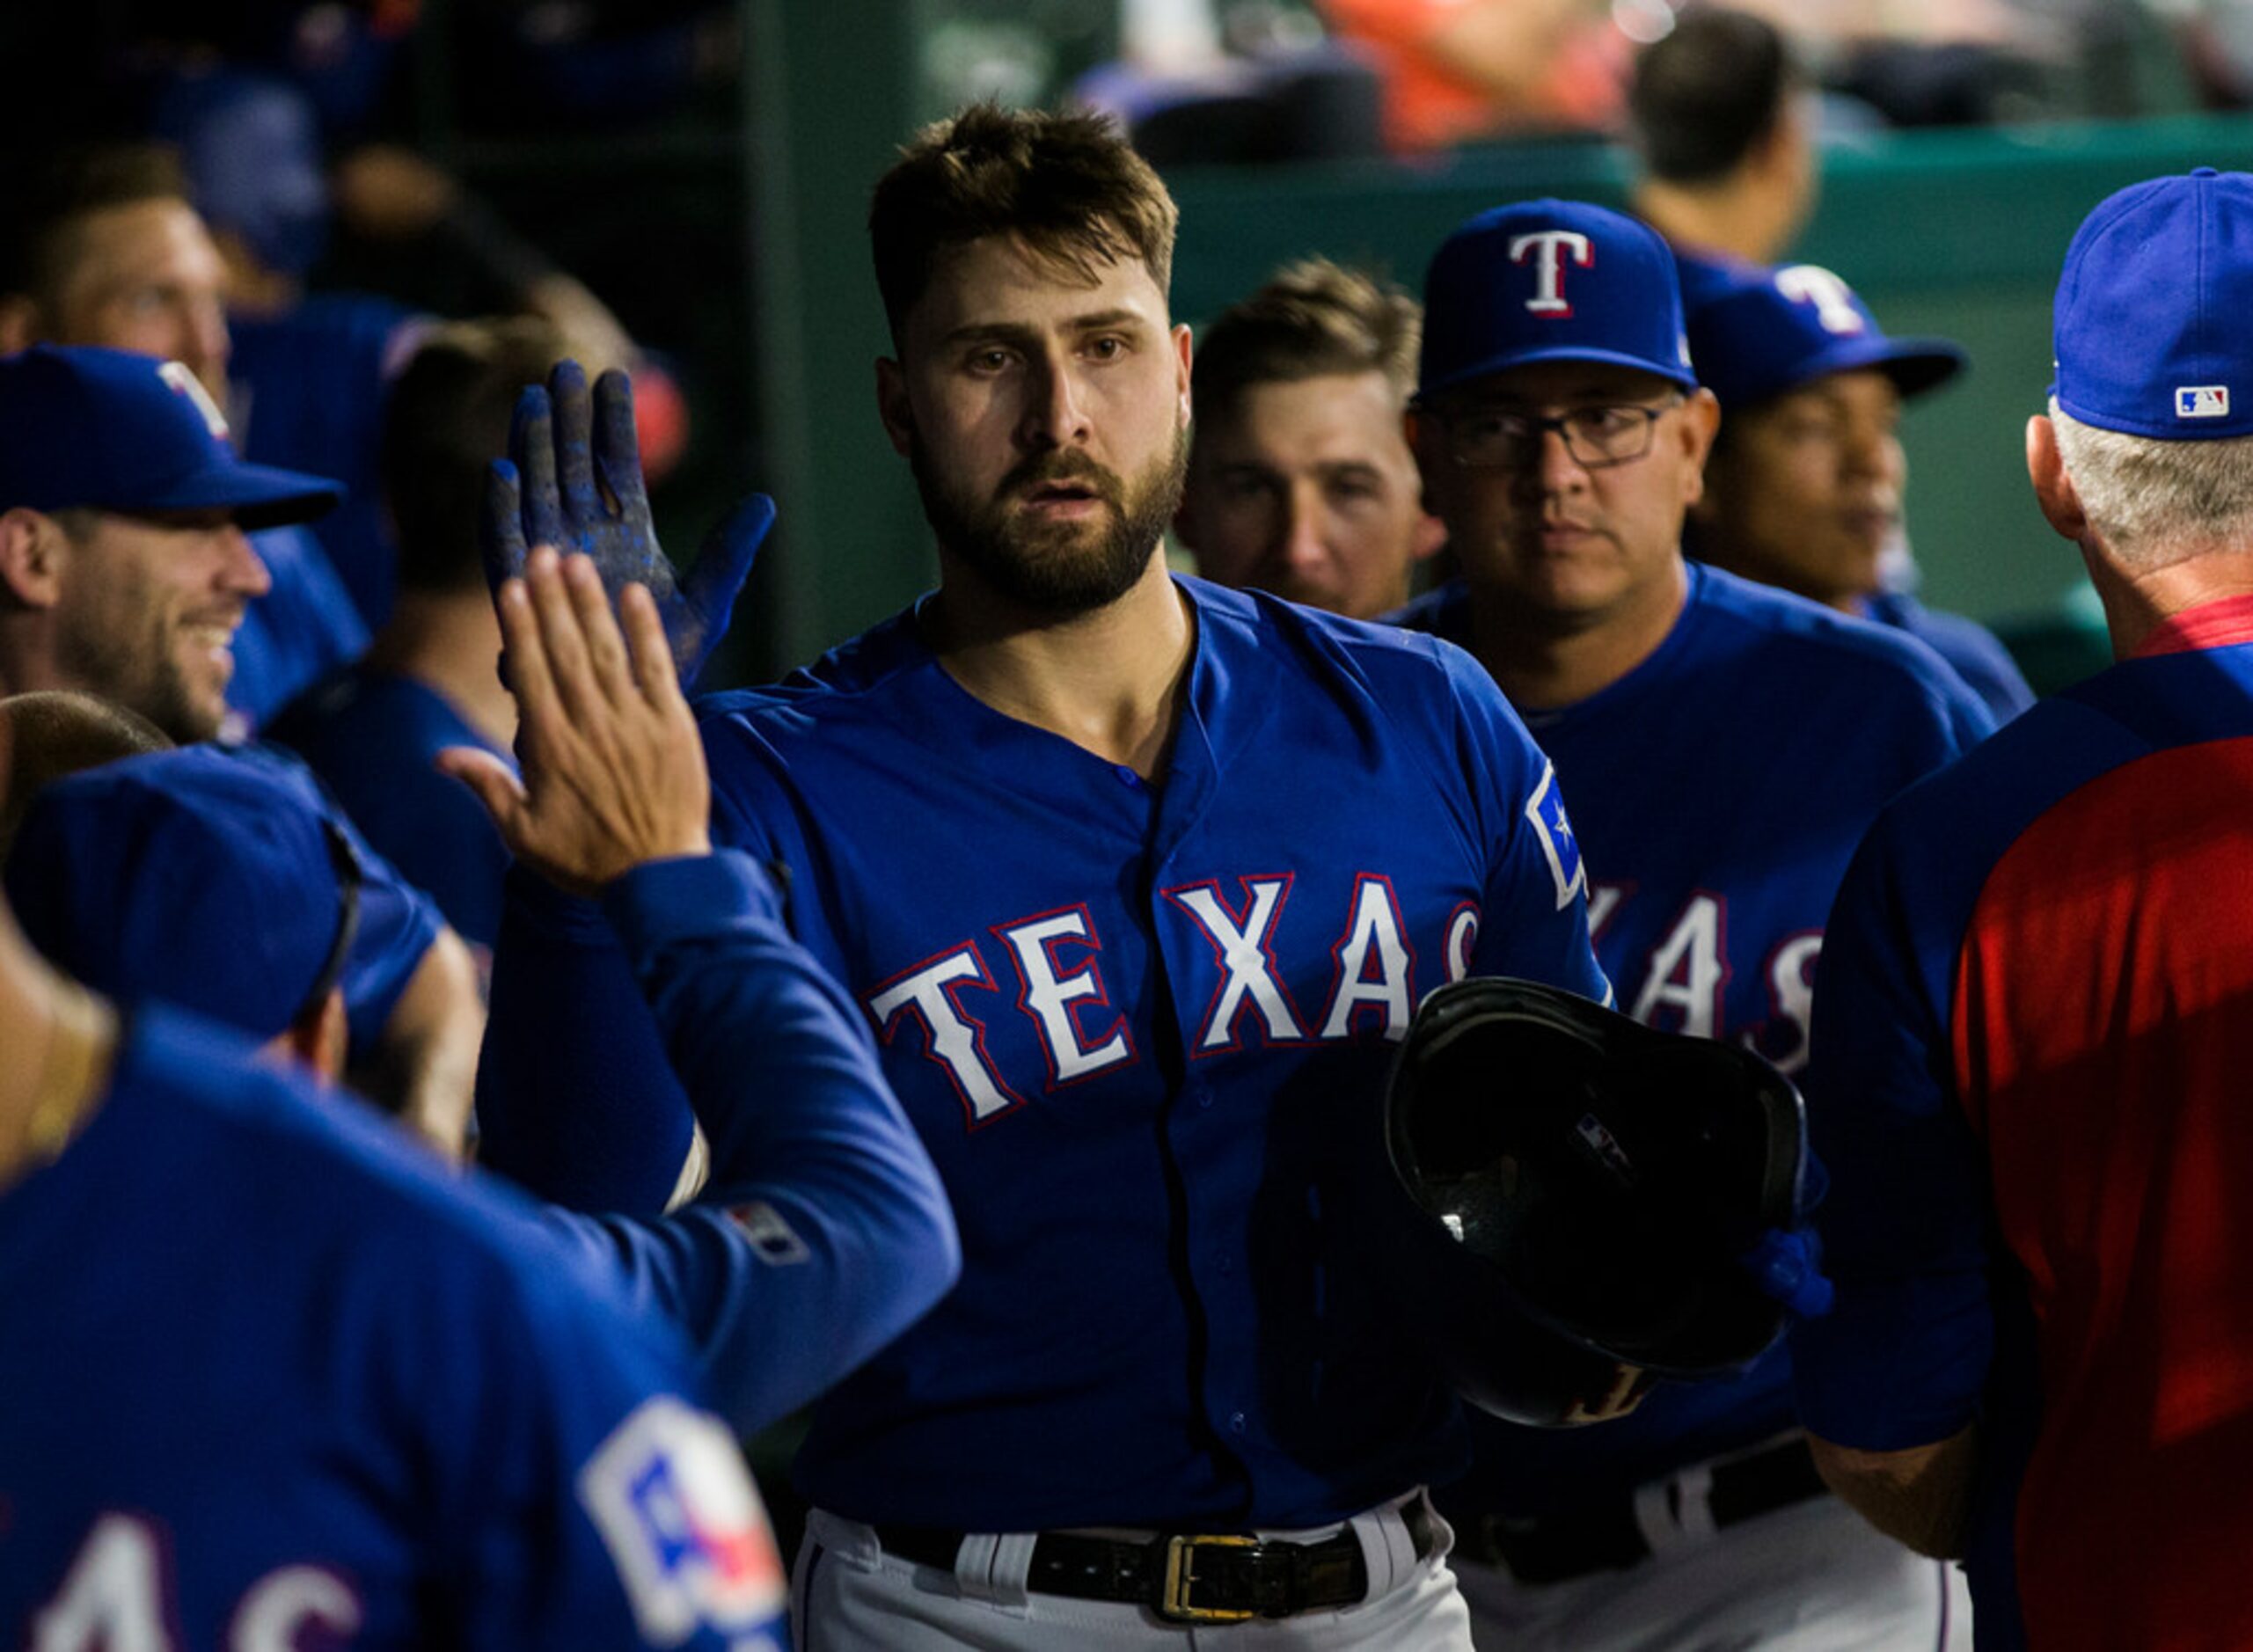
(1181, 1577)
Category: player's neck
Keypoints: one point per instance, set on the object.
(2137, 602)
(450, 643)
(1108, 680)
(1743, 219)
(61, 1043)
(1545, 663)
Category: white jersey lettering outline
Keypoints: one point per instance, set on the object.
(1244, 948)
(954, 1038)
(1374, 931)
(1048, 995)
(1689, 970)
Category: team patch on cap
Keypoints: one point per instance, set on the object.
(1558, 846)
(669, 1493)
(2202, 401)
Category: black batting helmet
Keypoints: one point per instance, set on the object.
(1577, 1205)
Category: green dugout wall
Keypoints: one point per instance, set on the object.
(1957, 233)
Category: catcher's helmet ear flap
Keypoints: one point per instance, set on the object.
(1578, 1205)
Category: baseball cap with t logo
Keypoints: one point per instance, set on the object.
(97, 430)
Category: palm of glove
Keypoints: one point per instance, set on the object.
(573, 481)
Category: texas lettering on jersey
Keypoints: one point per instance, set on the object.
(1674, 972)
(118, 1590)
(1360, 979)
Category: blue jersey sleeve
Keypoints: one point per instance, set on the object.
(574, 1097)
(1902, 1358)
(1534, 924)
(823, 1232)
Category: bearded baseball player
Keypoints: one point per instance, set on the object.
(2034, 1023)
(1560, 436)
(1113, 863)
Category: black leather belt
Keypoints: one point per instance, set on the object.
(1604, 1537)
(1186, 1577)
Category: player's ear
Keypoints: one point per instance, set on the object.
(2053, 488)
(892, 404)
(1701, 423)
(1182, 351)
(34, 553)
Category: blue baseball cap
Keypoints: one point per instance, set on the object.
(1756, 333)
(195, 876)
(2152, 310)
(83, 427)
(1551, 281)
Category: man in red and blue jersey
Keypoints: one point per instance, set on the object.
(2033, 1021)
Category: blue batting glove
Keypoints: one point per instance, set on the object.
(575, 482)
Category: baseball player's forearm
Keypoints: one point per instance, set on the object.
(1921, 1497)
(824, 1230)
(574, 1097)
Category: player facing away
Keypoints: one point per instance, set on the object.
(1803, 487)
(1724, 746)
(2037, 1009)
(275, 1378)
(1301, 481)
(1113, 863)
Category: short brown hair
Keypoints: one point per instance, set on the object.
(56, 732)
(1312, 318)
(445, 420)
(38, 241)
(1069, 186)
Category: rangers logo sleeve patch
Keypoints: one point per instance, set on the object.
(1558, 846)
(669, 1494)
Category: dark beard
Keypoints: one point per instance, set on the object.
(1052, 569)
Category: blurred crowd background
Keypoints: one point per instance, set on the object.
(679, 186)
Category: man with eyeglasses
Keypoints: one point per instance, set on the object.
(1723, 746)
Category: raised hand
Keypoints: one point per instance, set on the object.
(573, 481)
(613, 769)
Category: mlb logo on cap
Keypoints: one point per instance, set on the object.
(1551, 281)
(2152, 310)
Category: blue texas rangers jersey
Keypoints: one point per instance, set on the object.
(309, 391)
(374, 737)
(274, 1379)
(1720, 788)
(301, 629)
(1135, 1024)
(2029, 1081)
(823, 1230)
